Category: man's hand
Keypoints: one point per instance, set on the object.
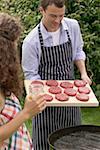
(81, 66)
(86, 78)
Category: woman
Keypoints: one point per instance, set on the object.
(13, 132)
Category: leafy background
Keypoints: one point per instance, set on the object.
(87, 13)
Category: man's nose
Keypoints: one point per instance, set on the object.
(57, 19)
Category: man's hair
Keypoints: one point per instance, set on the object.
(57, 3)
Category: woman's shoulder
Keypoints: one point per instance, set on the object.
(13, 101)
(14, 98)
(12, 104)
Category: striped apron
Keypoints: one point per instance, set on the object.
(56, 63)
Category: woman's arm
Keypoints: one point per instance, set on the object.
(8, 129)
(31, 108)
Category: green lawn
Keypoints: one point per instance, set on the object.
(29, 126)
(89, 116)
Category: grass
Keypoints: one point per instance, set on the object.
(29, 126)
(89, 116)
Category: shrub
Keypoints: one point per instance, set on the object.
(87, 12)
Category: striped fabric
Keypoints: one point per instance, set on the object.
(56, 63)
(51, 119)
(21, 139)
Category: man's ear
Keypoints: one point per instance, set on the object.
(41, 9)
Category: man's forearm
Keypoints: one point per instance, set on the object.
(81, 66)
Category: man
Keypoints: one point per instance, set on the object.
(49, 52)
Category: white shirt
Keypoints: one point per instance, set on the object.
(31, 48)
(56, 37)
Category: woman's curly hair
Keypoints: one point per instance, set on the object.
(10, 70)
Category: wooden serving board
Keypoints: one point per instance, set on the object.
(92, 102)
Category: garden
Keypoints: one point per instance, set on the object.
(87, 13)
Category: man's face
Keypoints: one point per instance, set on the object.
(52, 17)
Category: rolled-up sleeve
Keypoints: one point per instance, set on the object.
(78, 43)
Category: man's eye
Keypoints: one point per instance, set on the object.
(53, 16)
(61, 16)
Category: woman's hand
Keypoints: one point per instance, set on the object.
(34, 105)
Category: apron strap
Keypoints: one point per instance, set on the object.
(40, 36)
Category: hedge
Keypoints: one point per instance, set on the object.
(87, 13)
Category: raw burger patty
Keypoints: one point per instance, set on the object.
(54, 90)
(80, 83)
(70, 91)
(66, 85)
(62, 97)
(84, 90)
(51, 83)
(48, 97)
(37, 82)
(82, 97)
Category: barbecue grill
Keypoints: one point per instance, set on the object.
(83, 137)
